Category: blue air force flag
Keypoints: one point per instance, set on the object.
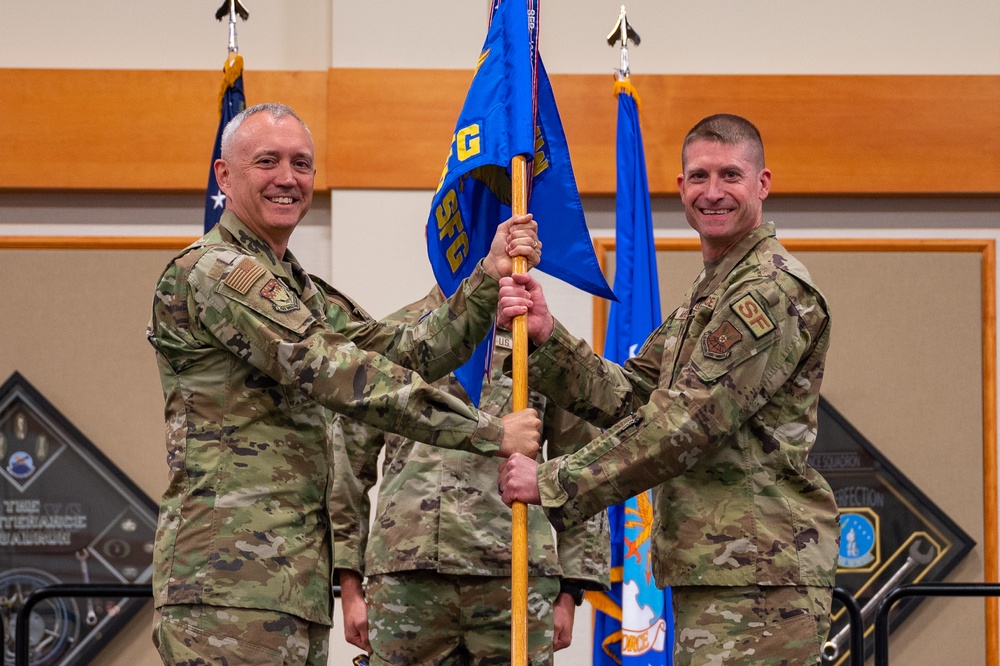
(231, 102)
(633, 623)
(498, 122)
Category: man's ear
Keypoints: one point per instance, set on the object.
(221, 174)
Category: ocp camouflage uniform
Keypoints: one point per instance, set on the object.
(254, 356)
(717, 412)
(439, 553)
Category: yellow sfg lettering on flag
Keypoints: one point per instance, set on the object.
(753, 315)
(541, 159)
(467, 141)
(450, 225)
(482, 58)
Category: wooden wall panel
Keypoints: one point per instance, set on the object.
(130, 130)
(136, 130)
(880, 135)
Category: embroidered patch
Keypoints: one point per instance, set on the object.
(243, 275)
(504, 341)
(282, 298)
(753, 315)
(718, 344)
(709, 303)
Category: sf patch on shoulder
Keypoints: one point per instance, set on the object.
(718, 344)
(753, 315)
(282, 298)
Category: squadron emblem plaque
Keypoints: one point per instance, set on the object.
(67, 515)
(891, 533)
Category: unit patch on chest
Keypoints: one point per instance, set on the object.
(753, 315)
(718, 344)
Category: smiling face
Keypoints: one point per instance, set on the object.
(267, 174)
(722, 187)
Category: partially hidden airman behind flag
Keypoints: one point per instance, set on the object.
(498, 121)
(231, 102)
(633, 625)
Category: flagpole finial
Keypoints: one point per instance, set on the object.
(230, 9)
(623, 31)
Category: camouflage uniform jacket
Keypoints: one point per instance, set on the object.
(718, 412)
(253, 355)
(439, 510)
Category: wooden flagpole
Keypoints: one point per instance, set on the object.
(519, 518)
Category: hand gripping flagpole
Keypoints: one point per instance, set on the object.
(519, 517)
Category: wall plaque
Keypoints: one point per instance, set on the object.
(891, 533)
(67, 515)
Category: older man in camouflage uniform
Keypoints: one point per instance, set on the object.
(253, 355)
(439, 554)
(718, 412)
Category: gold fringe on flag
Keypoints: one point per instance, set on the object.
(232, 70)
(625, 86)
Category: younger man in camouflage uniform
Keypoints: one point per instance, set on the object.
(253, 355)
(438, 558)
(717, 411)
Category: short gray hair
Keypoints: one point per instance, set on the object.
(276, 111)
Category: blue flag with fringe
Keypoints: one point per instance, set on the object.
(231, 102)
(509, 110)
(633, 624)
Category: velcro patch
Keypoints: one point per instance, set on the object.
(504, 341)
(282, 298)
(243, 275)
(718, 344)
(753, 315)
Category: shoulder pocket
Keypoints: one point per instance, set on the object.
(244, 280)
(740, 330)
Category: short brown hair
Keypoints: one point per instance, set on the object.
(728, 129)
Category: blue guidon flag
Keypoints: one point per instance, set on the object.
(509, 110)
(633, 625)
(231, 102)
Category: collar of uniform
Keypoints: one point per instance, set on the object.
(717, 270)
(240, 234)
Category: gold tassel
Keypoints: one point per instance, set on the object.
(625, 86)
(232, 70)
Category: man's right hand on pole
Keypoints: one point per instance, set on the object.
(522, 294)
(515, 237)
(521, 433)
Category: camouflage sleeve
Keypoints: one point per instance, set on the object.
(584, 550)
(711, 399)
(435, 344)
(353, 472)
(292, 347)
(567, 370)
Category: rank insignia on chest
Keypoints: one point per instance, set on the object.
(282, 298)
(718, 344)
(753, 315)
(504, 341)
